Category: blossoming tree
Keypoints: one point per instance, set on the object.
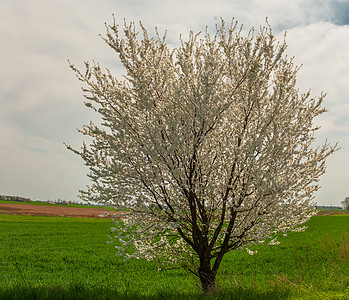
(207, 147)
(345, 203)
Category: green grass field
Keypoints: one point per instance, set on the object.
(68, 258)
(39, 203)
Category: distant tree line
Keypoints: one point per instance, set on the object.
(331, 207)
(57, 201)
(15, 198)
(345, 203)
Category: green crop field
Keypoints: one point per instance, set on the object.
(39, 203)
(69, 258)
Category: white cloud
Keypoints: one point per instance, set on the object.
(35, 167)
(323, 48)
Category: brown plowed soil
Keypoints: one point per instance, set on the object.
(332, 212)
(66, 211)
(58, 211)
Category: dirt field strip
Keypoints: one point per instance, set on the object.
(58, 211)
(332, 212)
(66, 211)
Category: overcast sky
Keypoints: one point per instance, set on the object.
(41, 103)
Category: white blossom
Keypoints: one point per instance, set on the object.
(250, 252)
(274, 242)
(345, 203)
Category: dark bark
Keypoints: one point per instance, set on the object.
(207, 276)
(208, 280)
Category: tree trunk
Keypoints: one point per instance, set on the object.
(207, 278)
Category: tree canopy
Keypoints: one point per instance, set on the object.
(208, 146)
(345, 203)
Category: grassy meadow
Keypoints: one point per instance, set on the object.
(69, 258)
(39, 203)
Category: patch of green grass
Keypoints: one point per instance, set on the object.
(50, 219)
(47, 251)
(317, 258)
(331, 209)
(39, 203)
(68, 258)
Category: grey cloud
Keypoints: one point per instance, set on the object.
(340, 12)
(41, 103)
